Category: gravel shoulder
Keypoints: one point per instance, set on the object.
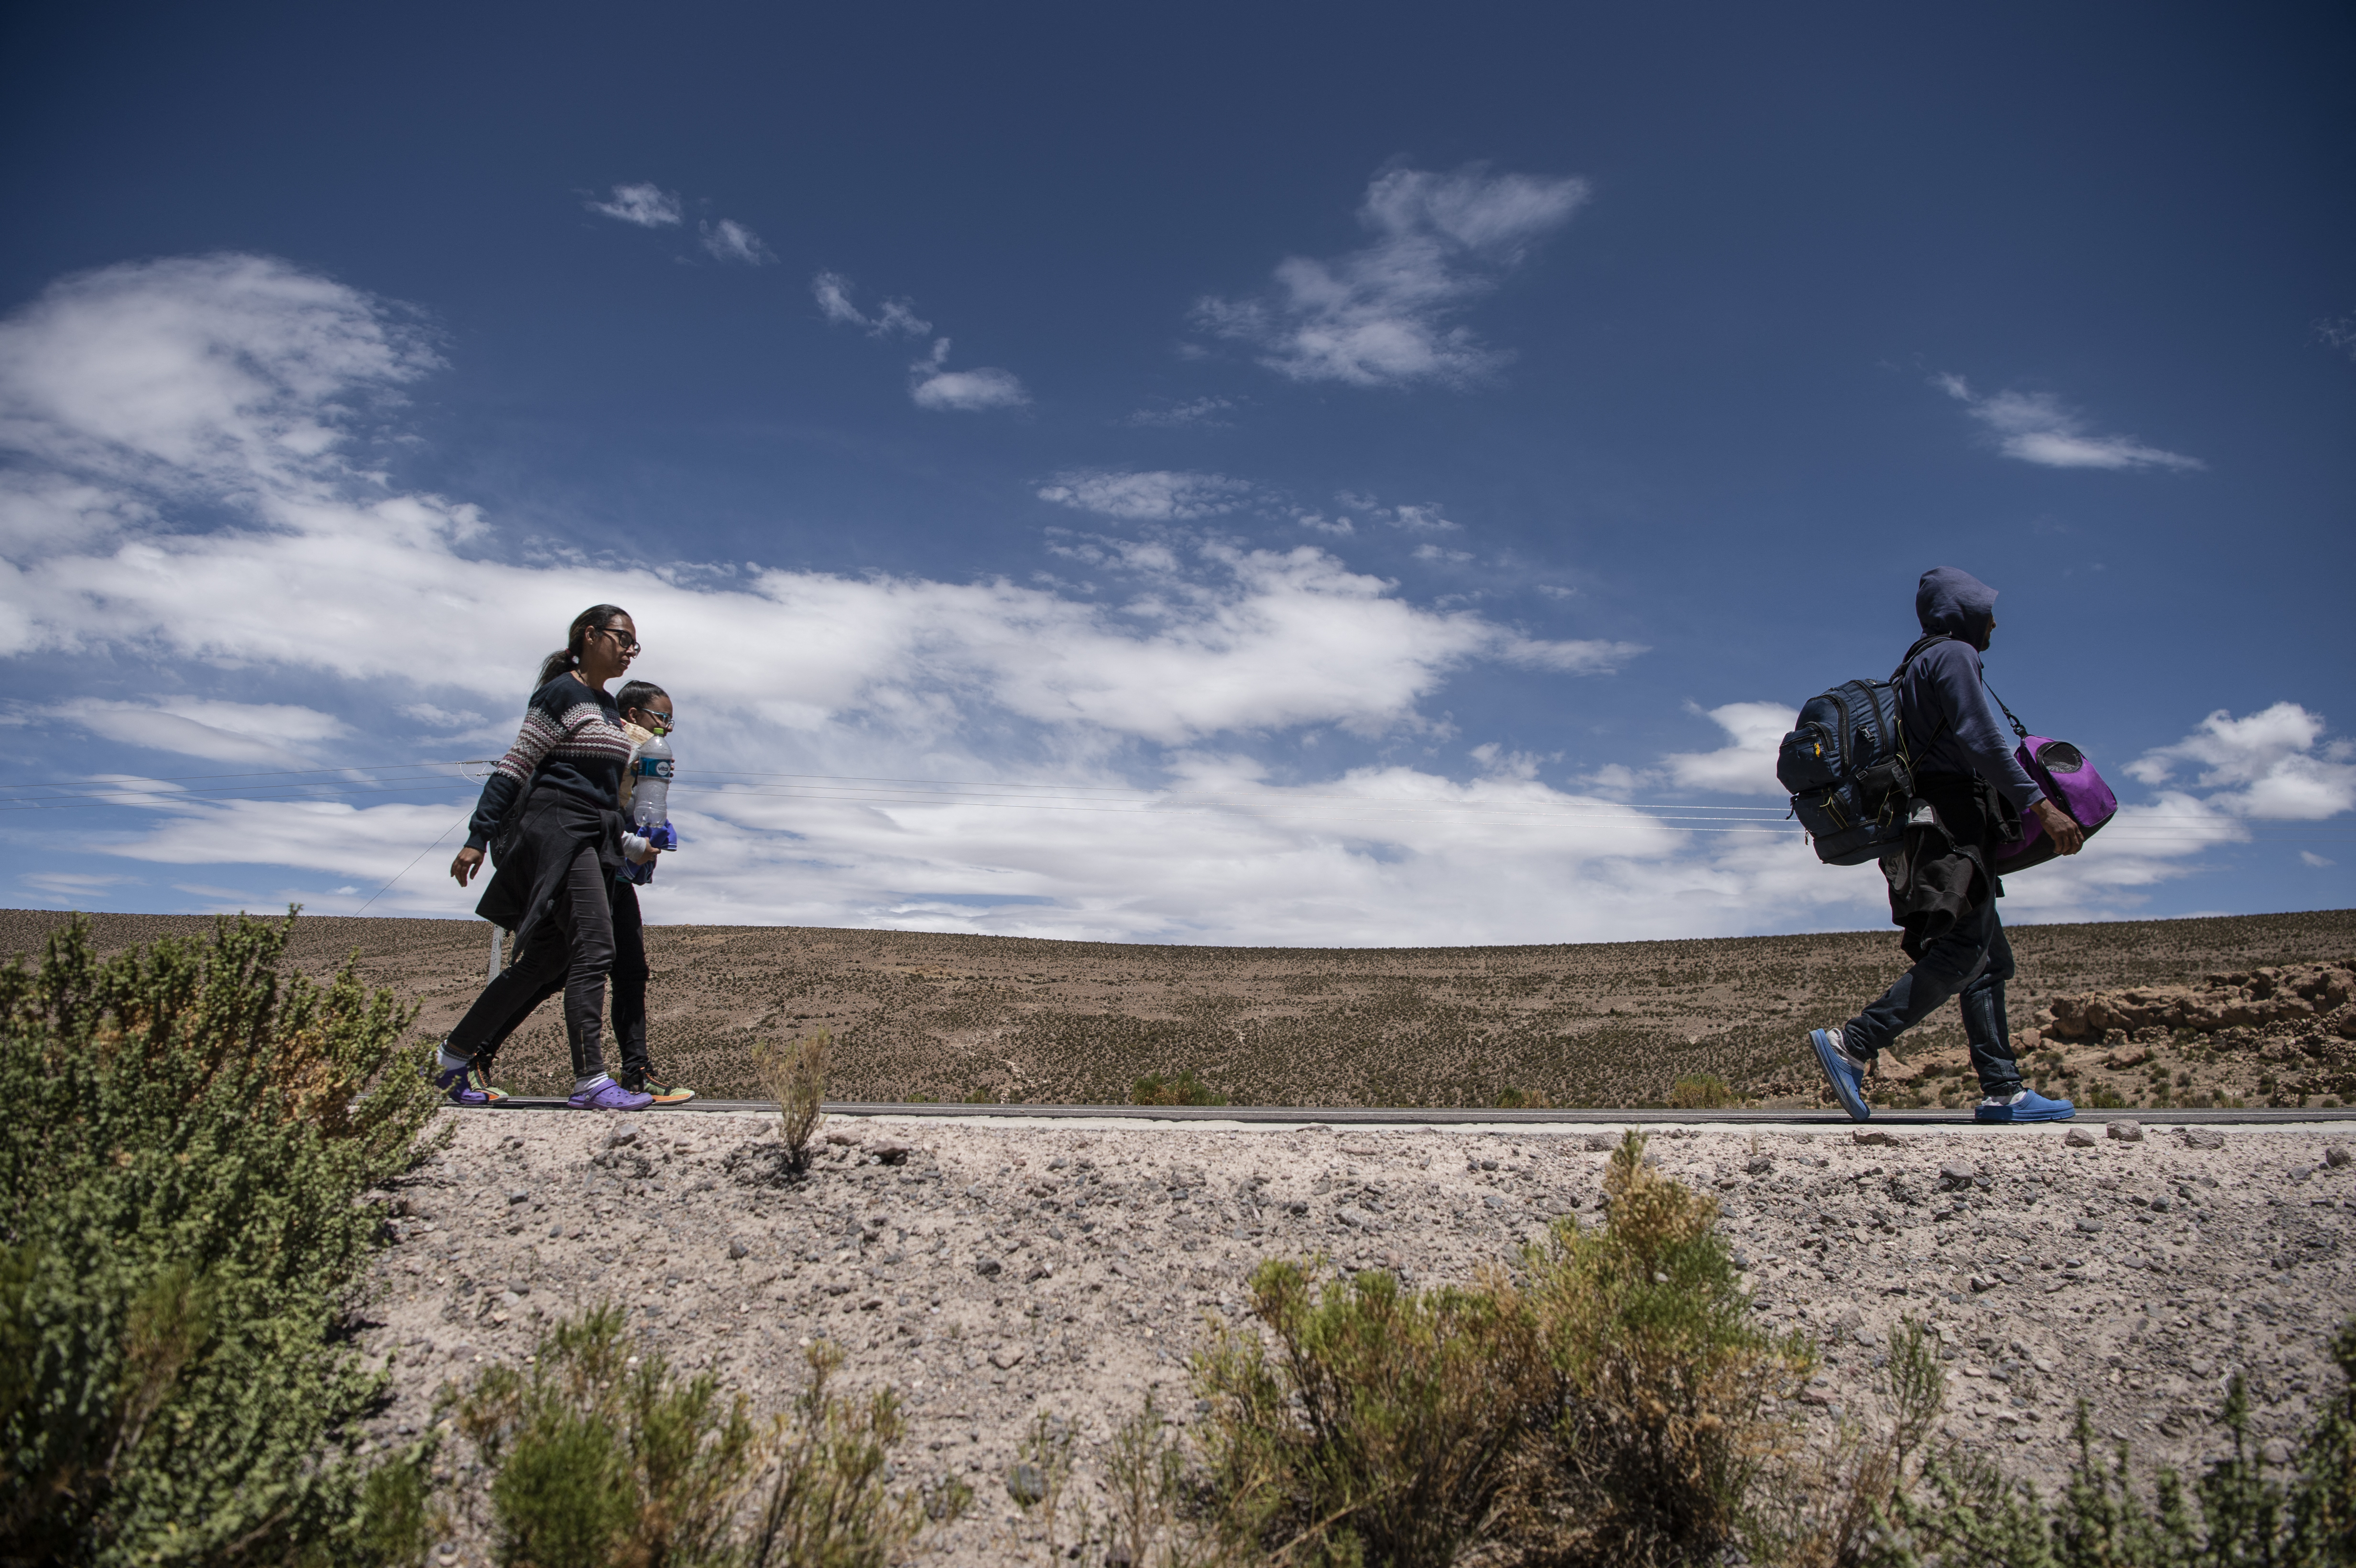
(993, 1272)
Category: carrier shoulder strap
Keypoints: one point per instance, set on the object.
(2020, 730)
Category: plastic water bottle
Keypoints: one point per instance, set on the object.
(650, 795)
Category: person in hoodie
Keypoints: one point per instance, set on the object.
(1942, 883)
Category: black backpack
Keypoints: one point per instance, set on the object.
(1849, 768)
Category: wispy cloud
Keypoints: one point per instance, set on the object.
(261, 733)
(931, 383)
(729, 240)
(1160, 496)
(1383, 315)
(2337, 333)
(647, 206)
(2036, 428)
(892, 318)
(1197, 413)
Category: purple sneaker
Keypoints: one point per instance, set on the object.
(609, 1096)
(463, 1085)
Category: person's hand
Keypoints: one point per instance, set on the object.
(468, 862)
(2067, 836)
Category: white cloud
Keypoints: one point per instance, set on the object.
(647, 206)
(1746, 764)
(2310, 858)
(1382, 316)
(729, 240)
(2340, 333)
(892, 318)
(2266, 767)
(1438, 556)
(962, 391)
(1318, 523)
(1422, 520)
(1197, 413)
(1159, 496)
(261, 733)
(2035, 428)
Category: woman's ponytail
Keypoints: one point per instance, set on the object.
(596, 618)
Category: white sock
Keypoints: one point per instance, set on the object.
(2012, 1099)
(446, 1062)
(583, 1085)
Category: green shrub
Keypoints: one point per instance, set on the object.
(183, 1163)
(1609, 1408)
(1512, 1099)
(1966, 1514)
(1706, 1092)
(795, 1077)
(1185, 1089)
(602, 1456)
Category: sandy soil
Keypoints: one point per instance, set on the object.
(1005, 1269)
(954, 1017)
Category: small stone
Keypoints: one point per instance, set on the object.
(2203, 1137)
(1024, 1483)
(1953, 1176)
(623, 1136)
(1885, 1140)
(737, 1249)
(2277, 1452)
(1760, 1164)
(988, 1268)
(2338, 1155)
(842, 1140)
(2090, 1227)
(1981, 1283)
(2079, 1137)
(519, 1195)
(2126, 1132)
(1602, 1142)
(1357, 1218)
(1007, 1358)
(891, 1154)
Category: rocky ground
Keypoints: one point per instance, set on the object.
(990, 1272)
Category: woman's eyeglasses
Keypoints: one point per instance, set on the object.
(629, 644)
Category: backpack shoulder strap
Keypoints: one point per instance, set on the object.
(1932, 640)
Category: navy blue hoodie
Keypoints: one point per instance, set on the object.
(1951, 726)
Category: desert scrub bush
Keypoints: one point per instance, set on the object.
(1706, 1092)
(1185, 1089)
(185, 1166)
(601, 1456)
(1512, 1099)
(794, 1076)
(1610, 1407)
(1967, 1514)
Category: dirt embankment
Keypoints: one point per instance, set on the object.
(995, 1273)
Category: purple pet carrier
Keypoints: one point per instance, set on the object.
(2069, 781)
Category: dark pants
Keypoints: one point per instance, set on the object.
(1971, 957)
(629, 976)
(571, 949)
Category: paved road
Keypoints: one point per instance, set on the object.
(1408, 1117)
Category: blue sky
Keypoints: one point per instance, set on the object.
(1328, 475)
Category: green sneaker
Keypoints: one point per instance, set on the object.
(665, 1094)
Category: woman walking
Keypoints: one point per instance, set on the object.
(553, 807)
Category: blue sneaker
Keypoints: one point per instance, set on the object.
(1847, 1076)
(2026, 1106)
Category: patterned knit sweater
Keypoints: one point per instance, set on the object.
(586, 762)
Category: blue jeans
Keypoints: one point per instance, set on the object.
(1971, 957)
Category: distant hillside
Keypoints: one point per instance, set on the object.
(956, 1017)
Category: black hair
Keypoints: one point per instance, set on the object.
(634, 695)
(596, 618)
